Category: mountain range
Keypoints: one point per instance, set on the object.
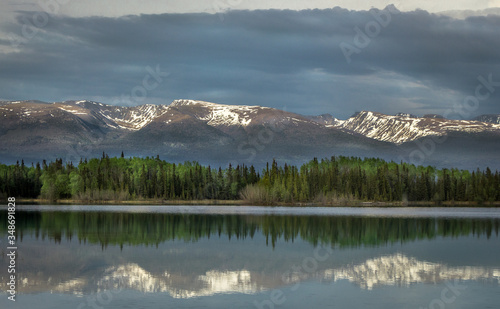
(221, 134)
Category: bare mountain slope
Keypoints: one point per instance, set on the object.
(218, 134)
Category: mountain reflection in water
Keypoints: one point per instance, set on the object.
(391, 270)
(193, 255)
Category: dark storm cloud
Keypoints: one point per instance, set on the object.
(418, 63)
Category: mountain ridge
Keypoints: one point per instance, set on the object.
(190, 129)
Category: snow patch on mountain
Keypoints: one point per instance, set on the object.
(221, 115)
(134, 118)
(226, 115)
(179, 103)
(395, 129)
(401, 129)
(73, 110)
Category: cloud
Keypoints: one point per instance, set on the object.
(419, 62)
(117, 8)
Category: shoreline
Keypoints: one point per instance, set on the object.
(160, 202)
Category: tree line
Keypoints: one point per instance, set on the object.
(325, 181)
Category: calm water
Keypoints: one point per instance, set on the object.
(252, 257)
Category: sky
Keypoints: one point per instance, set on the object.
(307, 57)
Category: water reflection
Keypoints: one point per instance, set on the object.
(193, 255)
(132, 276)
(397, 270)
(111, 228)
(394, 270)
(401, 270)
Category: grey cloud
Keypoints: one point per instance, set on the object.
(419, 63)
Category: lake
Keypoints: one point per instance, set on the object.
(253, 257)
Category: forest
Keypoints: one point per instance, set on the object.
(326, 181)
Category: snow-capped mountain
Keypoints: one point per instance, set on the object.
(218, 134)
(183, 130)
(403, 128)
(129, 118)
(217, 114)
(489, 118)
